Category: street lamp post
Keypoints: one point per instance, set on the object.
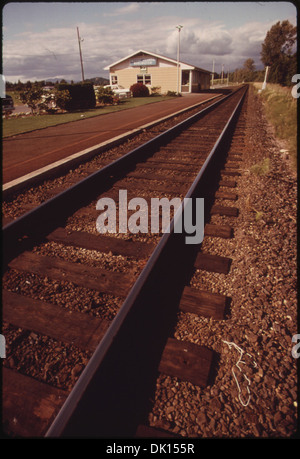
(179, 27)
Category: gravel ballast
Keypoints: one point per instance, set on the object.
(258, 396)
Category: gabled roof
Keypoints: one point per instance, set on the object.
(141, 51)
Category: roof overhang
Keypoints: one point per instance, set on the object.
(149, 53)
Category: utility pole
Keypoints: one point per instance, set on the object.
(79, 41)
(222, 73)
(213, 72)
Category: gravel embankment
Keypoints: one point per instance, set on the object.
(263, 312)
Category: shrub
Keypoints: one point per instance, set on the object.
(104, 95)
(82, 96)
(261, 168)
(173, 94)
(155, 90)
(139, 90)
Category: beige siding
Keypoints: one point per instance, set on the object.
(165, 77)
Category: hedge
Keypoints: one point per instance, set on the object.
(82, 95)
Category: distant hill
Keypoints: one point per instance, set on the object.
(97, 81)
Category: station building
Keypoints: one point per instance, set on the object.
(155, 70)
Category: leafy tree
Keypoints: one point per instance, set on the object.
(249, 69)
(31, 97)
(277, 52)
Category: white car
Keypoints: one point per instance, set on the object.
(121, 92)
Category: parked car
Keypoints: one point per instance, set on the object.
(121, 92)
(7, 104)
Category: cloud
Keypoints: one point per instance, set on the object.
(201, 40)
(131, 8)
(54, 53)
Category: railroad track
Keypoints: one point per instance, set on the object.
(88, 317)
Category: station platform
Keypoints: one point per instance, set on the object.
(25, 153)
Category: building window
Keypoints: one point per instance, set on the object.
(144, 79)
(114, 79)
(147, 79)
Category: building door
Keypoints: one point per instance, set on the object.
(185, 81)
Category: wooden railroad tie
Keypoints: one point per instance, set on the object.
(101, 243)
(186, 361)
(156, 176)
(224, 210)
(212, 263)
(114, 283)
(180, 167)
(226, 195)
(148, 185)
(230, 172)
(223, 231)
(76, 328)
(203, 303)
(228, 183)
(42, 404)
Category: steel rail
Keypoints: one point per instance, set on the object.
(70, 420)
(36, 222)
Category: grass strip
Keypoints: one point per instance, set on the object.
(281, 111)
(18, 125)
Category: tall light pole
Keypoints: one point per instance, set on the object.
(79, 41)
(213, 73)
(179, 27)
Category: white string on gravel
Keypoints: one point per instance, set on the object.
(240, 361)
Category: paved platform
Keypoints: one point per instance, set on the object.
(28, 152)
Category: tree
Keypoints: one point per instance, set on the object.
(277, 52)
(248, 70)
(31, 97)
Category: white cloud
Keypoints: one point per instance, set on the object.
(131, 8)
(55, 51)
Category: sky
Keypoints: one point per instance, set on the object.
(40, 39)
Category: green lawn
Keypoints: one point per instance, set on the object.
(13, 126)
